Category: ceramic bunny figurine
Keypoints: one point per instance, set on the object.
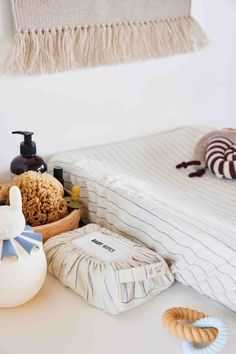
(11, 217)
(22, 260)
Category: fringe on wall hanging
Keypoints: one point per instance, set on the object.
(60, 35)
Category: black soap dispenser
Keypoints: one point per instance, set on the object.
(27, 160)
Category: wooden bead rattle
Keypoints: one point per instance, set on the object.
(171, 320)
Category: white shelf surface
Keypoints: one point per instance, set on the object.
(59, 321)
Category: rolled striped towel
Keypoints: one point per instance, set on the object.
(221, 157)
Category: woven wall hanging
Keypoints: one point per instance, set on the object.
(59, 35)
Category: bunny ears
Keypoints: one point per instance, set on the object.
(15, 198)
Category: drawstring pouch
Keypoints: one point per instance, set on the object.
(110, 271)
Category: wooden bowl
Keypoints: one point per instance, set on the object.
(68, 223)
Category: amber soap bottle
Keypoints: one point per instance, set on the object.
(27, 160)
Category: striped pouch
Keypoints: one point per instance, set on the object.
(108, 270)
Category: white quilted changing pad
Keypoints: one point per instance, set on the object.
(133, 188)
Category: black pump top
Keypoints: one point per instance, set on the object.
(27, 147)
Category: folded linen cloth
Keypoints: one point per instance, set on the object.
(58, 35)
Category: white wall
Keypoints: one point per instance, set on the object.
(95, 106)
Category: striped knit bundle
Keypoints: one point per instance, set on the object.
(221, 157)
(216, 151)
(137, 275)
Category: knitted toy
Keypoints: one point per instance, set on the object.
(42, 197)
(216, 151)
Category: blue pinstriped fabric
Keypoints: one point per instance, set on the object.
(116, 285)
(133, 188)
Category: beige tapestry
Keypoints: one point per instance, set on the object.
(58, 35)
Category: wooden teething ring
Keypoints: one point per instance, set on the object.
(171, 320)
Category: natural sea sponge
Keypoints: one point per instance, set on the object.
(42, 197)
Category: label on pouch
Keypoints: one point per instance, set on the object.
(103, 247)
